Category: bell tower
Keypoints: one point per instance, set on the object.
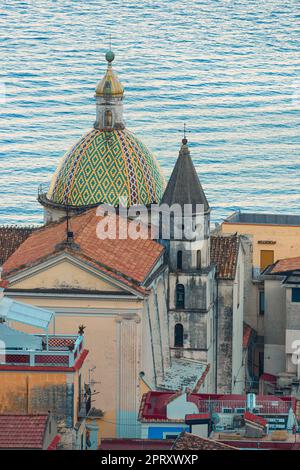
(191, 292)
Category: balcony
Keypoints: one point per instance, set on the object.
(231, 406)
(54, 351)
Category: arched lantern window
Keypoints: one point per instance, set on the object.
(108, 118)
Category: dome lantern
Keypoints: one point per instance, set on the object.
(109, 99)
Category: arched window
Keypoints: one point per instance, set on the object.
(108, 118)
(178, 335)
(198, 259)
(179, 296)
(179, 260)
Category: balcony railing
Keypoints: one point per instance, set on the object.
(62, 351)
(262, 407)
(43, 189)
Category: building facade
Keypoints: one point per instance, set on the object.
(42, 373)
(271, 237)
(282, 324)
(156, 313)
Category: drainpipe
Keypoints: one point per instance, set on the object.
(217, 317)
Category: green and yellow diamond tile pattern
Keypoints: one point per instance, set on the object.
(105, 166)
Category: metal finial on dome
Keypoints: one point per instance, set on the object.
(109, 56)
(184, 140)
(110, 84)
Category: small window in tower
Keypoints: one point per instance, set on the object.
(108, 118)
(295, 294)
(179, 296)
(179, 260)
(198, 259)
(261, 302)
(178, 335)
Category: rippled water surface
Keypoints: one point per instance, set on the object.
(228, 68)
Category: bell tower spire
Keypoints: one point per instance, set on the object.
(109, 99)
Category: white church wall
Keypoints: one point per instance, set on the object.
(179, 407)
(238, 366)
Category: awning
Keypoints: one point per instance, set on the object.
(11, 310)
(14, 339)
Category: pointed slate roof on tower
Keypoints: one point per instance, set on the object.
(184, 186)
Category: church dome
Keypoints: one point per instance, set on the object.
(104, 166)
(108, 165)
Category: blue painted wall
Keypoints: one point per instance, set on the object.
(158, 432)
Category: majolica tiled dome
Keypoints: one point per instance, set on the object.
(104, 166)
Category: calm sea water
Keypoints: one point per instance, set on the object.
(228, 68)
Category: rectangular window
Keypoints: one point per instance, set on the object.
(296, 294)
(260, 363)
(240, 411)
(227, 410)
(261, 302)
(266, 258)
(171, 436)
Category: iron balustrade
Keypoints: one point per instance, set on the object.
(62, 351)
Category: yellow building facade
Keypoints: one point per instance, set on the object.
(272, 237)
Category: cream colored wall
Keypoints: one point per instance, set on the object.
(238, 366)
(100, 317)
(100, 340)
(65, 274)
(287, 239)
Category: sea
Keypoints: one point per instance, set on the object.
(227, 69)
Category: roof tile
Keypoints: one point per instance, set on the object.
(127, 259)
(10, 239)
(22, 431)
(187, 441)
(224, 254)
(285, 265)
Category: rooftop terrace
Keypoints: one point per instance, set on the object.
(263, 219)
(62, 351)
(154, 404)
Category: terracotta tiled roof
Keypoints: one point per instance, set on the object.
(187, 441)
(22, 431)
(125, 259)
(224, 254)
(197, 417)
(54, 443)
(255, 419)
(136, 444)
(10, 239)
(268, 377)
(285, 265)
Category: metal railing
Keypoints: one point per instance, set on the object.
(43, 189)
(261, 407)
(62, 351)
